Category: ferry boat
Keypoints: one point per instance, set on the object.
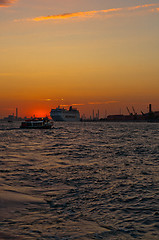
(62, 114)
(37, 123)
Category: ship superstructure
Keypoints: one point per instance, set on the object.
(62, 114)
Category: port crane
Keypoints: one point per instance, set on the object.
(129, 111)
(135, 113)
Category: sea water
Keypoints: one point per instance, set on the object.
(80, 181)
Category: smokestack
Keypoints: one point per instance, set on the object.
(150, 108)
(16, 113)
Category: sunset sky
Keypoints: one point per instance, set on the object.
(92, 54)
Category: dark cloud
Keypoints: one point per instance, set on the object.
(6, 3)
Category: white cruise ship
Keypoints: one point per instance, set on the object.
(62, 114)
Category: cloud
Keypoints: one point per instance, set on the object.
(155, 10)
(74, 15)
(142, 6)
(89, 14)
(89, 103)
(98, 103)
(72, 104)
(78, 104)
(45, 100)
(6, 3)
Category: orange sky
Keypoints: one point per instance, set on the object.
(95, 55)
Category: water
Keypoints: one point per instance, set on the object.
(80, 181)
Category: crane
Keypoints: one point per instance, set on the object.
(129, 111)
(134, 110)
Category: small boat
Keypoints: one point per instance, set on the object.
(37, 123)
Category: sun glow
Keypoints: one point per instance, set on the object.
(39, 113)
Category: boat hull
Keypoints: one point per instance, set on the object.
(34, 127)
(37, 123)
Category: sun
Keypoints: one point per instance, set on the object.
(40, 113)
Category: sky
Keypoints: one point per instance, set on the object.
(92, 54)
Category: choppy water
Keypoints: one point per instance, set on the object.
(80, 181)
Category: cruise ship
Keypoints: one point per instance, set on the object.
(62, 114)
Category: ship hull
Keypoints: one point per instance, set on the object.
(63, 119)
